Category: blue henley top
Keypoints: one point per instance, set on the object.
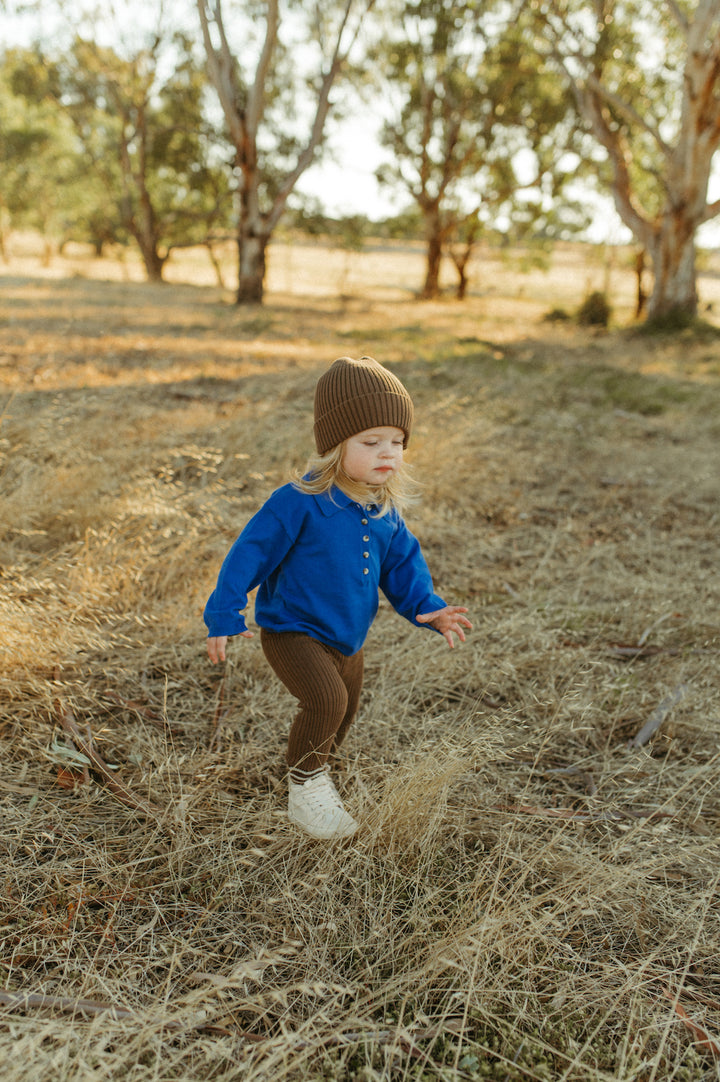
(318, 562)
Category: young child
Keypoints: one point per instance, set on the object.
(318, 550)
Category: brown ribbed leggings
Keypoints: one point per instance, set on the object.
(327, 685)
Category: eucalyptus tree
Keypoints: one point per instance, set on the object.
(148, 163)
(274, 65)
(141, 122)
(463, 102)
(646, 78)
(40, 169)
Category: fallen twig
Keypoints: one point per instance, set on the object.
(140, 709)
(406, 1038)
(570, 771)
(653, 627)
(658, 716)
(704, 1041)
(583, 816)
(23, 1001)
(620, 650)
(20, 1001)
(558, 813)
(118, 788)
(218, 715)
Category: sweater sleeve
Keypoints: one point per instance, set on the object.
(256, 553)
(405, 578)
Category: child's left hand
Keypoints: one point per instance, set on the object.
(447, 621)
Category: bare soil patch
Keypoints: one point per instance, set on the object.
(534, 891)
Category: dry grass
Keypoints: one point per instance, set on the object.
(529, 897)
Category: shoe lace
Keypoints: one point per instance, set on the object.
(321, 792)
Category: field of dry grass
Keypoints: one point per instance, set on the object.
(533, 894)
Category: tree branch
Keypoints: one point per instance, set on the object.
(711, 211)
(622, 188)
(256, 102)
(679, 15)
(220, 66)
(658, 716)
(121, 791)
(631, 114)
(306, 156)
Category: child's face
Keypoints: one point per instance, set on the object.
(374, 455)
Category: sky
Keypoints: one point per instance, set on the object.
(345, 180)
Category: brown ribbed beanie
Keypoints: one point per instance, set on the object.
(354, 395)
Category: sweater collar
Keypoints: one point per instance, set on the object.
(335, 500)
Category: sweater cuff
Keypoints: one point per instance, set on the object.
(234, 625)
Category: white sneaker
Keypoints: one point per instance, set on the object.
(316, 808)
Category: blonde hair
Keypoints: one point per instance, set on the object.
(324, 472)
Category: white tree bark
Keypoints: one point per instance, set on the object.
(243, 105)
(685, 156)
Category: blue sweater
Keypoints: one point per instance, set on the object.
(318, 562)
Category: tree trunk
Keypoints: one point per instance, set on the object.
(672, 253)
(243, 104)
(140, 223)
(251, 266)
(641, 295)
(215, 264)
(433, 257)
(151, 258)
(461, 260)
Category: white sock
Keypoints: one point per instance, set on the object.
(299, 777)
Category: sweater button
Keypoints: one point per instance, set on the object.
(366, 554)
(363, 521)
(366, 538)
(366, 571)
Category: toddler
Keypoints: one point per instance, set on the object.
(318, 550)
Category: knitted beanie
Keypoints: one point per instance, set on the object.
(354, 395)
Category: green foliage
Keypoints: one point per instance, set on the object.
(474, 102)
(556, 315)
(307, 216)
(146, 136)
(40, 169)
(595, 311)
(127, 137)
(406, 225)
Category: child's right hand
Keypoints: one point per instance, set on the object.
(216, 645)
